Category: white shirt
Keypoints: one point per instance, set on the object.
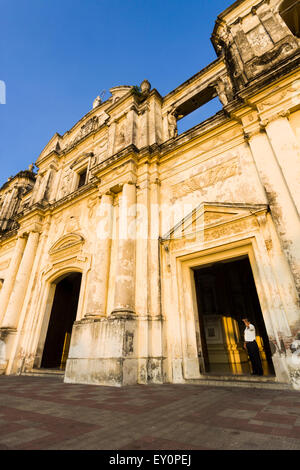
(249, 333)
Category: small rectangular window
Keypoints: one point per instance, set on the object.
(82, 178)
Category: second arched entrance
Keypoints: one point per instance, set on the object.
(62, 317)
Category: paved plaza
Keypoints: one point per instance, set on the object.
(46, 414)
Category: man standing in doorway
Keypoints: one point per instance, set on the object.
(251, 345)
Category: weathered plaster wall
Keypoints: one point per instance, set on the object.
(137, 316)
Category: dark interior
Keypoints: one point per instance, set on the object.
(227, 289)
(63, 315)
(290, 13)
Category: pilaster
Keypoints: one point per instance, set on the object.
(124, 301)
(287, 151)
(283, 208)
(11, 275)
(15, 303)
(98, 281)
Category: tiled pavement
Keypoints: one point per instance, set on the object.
(45, 413)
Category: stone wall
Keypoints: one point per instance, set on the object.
(142, 180)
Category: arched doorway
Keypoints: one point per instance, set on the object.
(62, 317)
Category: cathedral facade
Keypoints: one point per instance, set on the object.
(133, 253)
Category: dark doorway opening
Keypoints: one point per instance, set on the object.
(63, 315)
(226, 294)
(290, 13)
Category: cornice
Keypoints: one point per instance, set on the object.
(194, 133)
(207, 68)
(117, 157)
(267, 79)
(4, 236)
(135, 106)
(120, 101)
(42, 210)
(221, 19)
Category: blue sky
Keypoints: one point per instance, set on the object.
(56, 56)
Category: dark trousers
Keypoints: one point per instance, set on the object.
(254, 356)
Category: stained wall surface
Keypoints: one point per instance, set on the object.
(135, 208)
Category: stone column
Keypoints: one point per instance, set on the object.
(15, 303)
(154, 246)
(11, 275)
(98, 284)
(287, 151)
(109, 345)
(284, 212)
(124, 300)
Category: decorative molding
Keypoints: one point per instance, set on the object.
(68, 263)
(206, 178)
(70, 241)
(5, 264)
(214, 216)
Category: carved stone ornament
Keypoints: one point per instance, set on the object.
(209, 222)
(90, 126)
(172, 124)
(207, 178)
(72, 240)
(97, 102)
(220, 87)
(145, 87)
(66, 183)
(269, 57)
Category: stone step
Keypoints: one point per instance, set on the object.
(242, 381)
(211, 380)
(45, 373)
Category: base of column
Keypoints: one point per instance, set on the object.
(3, 366)
(112, 372)
(90, 316)
(107, 351)
(150, 370)
(124, 313)
(6, 331)
(104, 351)
(7, 337)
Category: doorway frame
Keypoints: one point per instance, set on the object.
(46, 304)
(187, 298)
(49, 309)
(214, 232)
(235, 254)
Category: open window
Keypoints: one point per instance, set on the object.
(290, 13)
(199, 115)
(194, 103)
(82, 178)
